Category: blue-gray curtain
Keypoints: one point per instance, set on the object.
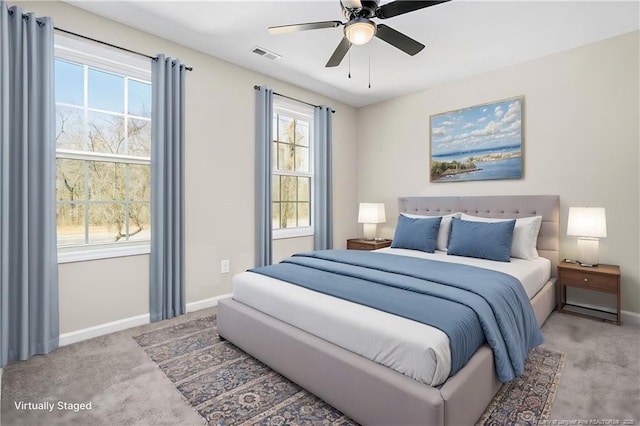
(28, 253)
(166, 286)
(323, 189)
(264, 142)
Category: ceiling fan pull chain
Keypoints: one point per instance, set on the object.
(349, 64)
(369, 72)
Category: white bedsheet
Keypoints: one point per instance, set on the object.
(409, 347)
(533, 274)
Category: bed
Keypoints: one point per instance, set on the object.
(370, 392)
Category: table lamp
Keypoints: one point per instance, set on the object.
(371, 214)
(588, 224)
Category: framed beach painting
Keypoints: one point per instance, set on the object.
(482, 142)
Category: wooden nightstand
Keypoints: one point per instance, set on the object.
(362, 244)
(602, 278)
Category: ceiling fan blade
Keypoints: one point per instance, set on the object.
(339, 53)
(399, 40)
(351, 4)
(400, 7)
(303, 27)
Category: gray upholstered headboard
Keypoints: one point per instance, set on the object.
(499, 206)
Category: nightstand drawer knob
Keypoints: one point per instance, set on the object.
(586, 279)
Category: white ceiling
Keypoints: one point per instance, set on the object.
(462, 38)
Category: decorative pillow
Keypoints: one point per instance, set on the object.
(445, 227)
(485, 240)
(416, 234)
(525, 234)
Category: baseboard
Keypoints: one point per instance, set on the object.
(125, 323)
(626, 317)
(102, 329)
(591, 306)
(205, 303)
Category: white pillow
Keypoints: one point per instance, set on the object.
(525, 234)
(445, 227)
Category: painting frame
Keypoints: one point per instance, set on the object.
(478, 143)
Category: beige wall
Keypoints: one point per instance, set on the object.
(219, 179)
(283, 247)
(581, 141)
(101, 291)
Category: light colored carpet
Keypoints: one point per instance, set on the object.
(123, 384)
(600, 381)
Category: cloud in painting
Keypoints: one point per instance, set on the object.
(438, 131)
(490, 129)
(481, 128)
(512, 113)
(513, 126)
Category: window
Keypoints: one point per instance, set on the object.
(292, 179)
(103, 140)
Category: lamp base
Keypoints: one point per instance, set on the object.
(369, 231)
(588, 251)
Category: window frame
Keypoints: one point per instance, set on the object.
(295, 110)
(134, 68)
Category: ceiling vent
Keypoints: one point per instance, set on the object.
(266, 53)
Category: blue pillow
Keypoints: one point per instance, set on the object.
(485, 240)
(416, 234)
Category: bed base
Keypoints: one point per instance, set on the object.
(369, 393)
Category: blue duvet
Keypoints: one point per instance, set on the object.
(470, 305)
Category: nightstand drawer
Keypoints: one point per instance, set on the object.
(590, 280)
(361, 244)
(352, 245)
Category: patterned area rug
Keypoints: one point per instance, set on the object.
(229, 387)
(527, 400)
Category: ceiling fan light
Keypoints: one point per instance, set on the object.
(360, 31)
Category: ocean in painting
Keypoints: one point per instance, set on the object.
(491, 163)
(464, 155)
(501, 169)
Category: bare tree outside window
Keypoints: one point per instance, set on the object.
(103, 135)
(291, 190)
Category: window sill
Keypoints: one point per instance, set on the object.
(279, 234)
(86, 254)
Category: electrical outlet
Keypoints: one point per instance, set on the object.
(224, 266)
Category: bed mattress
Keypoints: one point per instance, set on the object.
(408, 347)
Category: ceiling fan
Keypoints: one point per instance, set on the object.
(360, 29)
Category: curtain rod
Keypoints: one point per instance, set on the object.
(111, 45)
(256, 87)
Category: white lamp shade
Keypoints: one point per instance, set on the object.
(587, 222)
(371, 213)
(360, 31)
